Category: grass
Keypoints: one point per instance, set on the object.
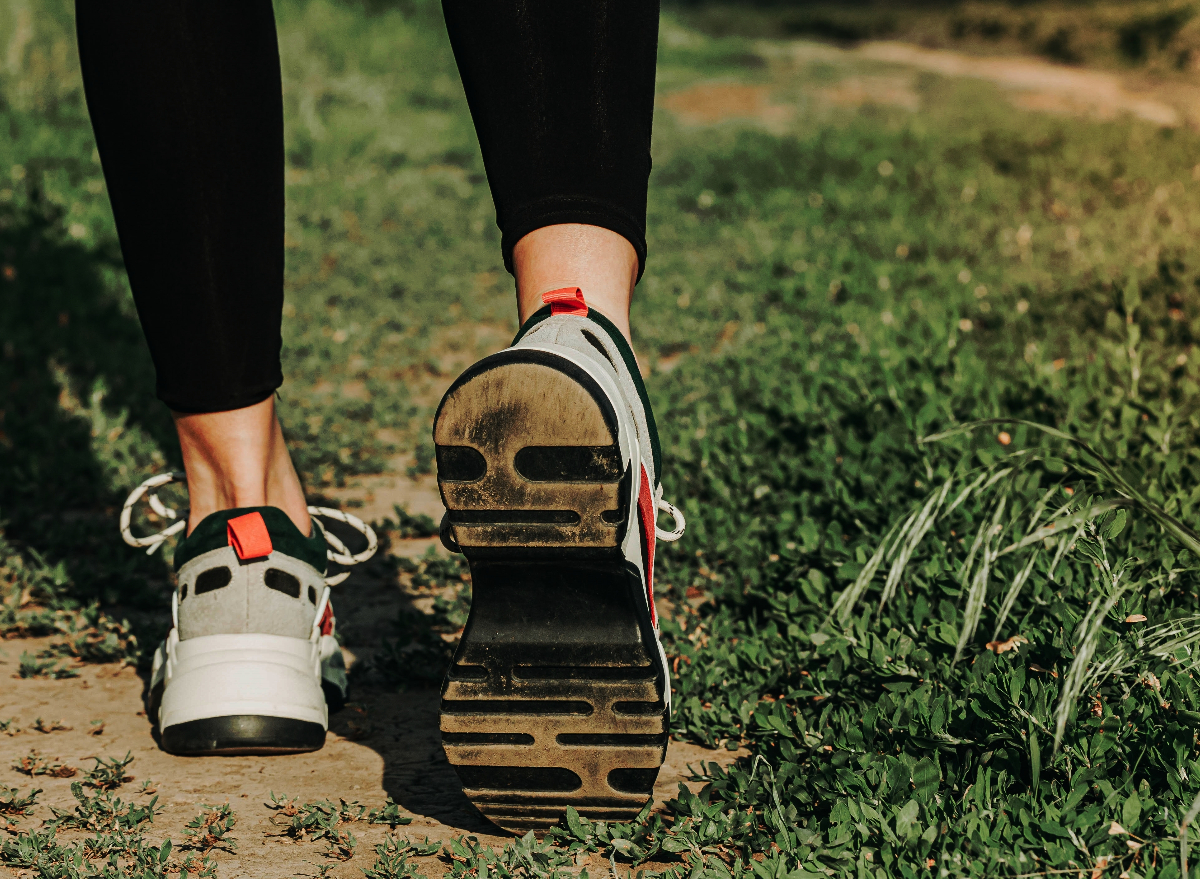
(830, 304)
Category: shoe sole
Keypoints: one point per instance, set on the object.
(556, 693)
(242, 734)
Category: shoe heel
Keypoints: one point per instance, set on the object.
(529, 456)
(242, 694)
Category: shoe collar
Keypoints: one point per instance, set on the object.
(213, 533)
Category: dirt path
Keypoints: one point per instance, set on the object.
(1040, 85)
(384, 744)
(1030, 83)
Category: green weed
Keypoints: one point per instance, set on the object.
(391, 859)
(109, 772)
(32, 667)
(320, 820)
(211, 828)
(12, 803)
(406, 525)
(525, 857)
(104, 813)
(48, 726)
(389, 814)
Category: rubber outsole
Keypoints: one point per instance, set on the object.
(556, 693)
(242, 734)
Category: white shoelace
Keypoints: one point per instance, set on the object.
(338, 551)
(680, 524)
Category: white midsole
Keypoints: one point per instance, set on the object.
(223, 675)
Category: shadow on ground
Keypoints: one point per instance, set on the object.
(78, 416)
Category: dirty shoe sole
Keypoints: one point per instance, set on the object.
(557, 695)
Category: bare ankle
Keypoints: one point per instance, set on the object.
(599, 261)
(237, 459)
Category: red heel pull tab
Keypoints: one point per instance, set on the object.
(566, 300)
(249, 537)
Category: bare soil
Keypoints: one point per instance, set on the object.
(887, 78)
(384, 743)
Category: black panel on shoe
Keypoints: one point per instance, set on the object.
(622, 740)
(243, 734)
(460, 463)
(639, 709)
(213, 578)
(183, 592)
(486, 738)
(542, 778)
(312, 594)
(282, 581)
(569, 463)
(633, 781)
(618, 516)
(515, 706)
(598, 345)
(583, 673)
(513, 517)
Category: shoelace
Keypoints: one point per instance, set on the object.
(337, 552)
(680, 523)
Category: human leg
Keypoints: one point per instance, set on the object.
(548, 458)
(562, 95)
(592, 258)
(186, 106)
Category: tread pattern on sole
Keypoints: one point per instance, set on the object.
(555, 696)
(603, 763)
(510, 476)
(529, 732)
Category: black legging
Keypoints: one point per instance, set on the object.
(185, 100)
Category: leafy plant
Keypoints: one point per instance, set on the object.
(109, 772)
(392, 858)
(48, 726)
(102, 812)
(30, 667)
(525, 857)
(407, 525)
(319, 820)
(210, 829)
(390, 814)
(34, 764)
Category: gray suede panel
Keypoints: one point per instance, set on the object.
(566, 330)
(247, 605)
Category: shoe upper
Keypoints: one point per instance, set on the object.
(567, 322)
(592, 334)
(230, 586)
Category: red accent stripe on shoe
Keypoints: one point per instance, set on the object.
(249, 537)
(327, 620)
(566, 300)
(648, 517)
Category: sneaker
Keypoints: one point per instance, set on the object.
(251, 664)
(548, 464)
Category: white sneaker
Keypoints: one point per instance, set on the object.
(548, 464)
(251, 663)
